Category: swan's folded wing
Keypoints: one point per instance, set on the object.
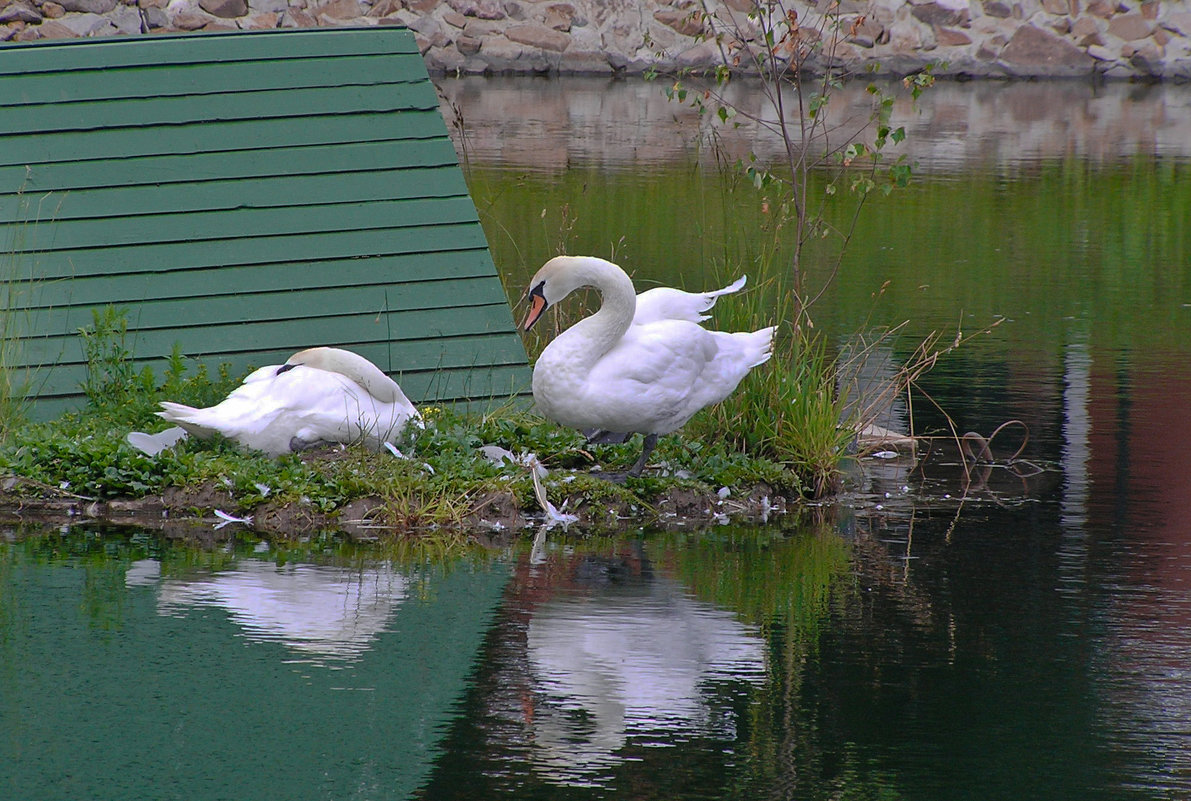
(669, 355)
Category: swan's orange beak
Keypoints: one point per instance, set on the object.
(537, 305)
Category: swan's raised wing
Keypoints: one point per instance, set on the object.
(668, 303)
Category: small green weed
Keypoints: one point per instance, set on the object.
(110, 375)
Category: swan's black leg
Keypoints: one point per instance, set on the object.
(651, 440)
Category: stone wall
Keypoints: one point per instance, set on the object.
(1139, 39)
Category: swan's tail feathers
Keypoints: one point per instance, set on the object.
(761, 345)
(184, 416)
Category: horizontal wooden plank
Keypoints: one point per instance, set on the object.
(221, 137)
(246, 46)
(153, 112)
(242, 251)
(286, 191)
(484, 387)
(200, 79)
(262, 223)
(282, 303)
(404, 357)
(120, 288)
(419, 328)
(473, 389)
(33, 181)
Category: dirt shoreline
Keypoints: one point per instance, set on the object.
(191, 513)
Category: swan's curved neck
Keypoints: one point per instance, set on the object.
(619, 302)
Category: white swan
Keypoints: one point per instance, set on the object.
(319, 395)
(631, 371)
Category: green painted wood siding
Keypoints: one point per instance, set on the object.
(244, 195)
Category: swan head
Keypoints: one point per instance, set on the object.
(351, 365)
(333, 360)
(562, 275)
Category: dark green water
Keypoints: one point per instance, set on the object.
(1030, 640)
(132, 669)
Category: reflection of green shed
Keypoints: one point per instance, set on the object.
(112, 692)
(245, 196)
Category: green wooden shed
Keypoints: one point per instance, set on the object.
(243, 195)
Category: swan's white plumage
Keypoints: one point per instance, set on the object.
(319, 395)
(668, 303)
(625, 369)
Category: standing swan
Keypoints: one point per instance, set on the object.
(319, 395)
(631, 371)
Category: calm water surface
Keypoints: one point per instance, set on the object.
(1030, 638)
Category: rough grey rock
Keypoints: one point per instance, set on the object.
(937, 14)
(1130, 27)
(87, 24)
(1035, 52)
(226, 9)
(268, 6)
(155, 18)
(484, 9)
(88, 6)
(20, 12)
(538, 36)
(127, 20)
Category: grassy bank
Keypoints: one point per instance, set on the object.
(445, 482)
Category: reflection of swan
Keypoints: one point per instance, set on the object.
(630, 666)
(321, 610)
(607, 374)
(319, 395)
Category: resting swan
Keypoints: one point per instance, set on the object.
(641, 364)
(319, 395)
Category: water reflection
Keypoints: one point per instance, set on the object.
(141, 669)
(555, 125)
(1137, 564)
(612, 665)
(316, 610)
(1144, 674)
(635, 666)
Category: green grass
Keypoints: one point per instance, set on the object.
(85, 454)
(788, 410)
(15, 377)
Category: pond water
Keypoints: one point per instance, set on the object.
(1027, 638)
